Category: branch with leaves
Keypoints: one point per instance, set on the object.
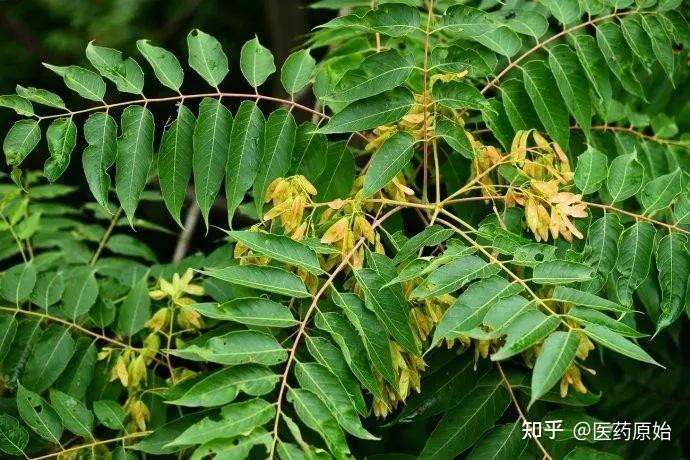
(420, 254)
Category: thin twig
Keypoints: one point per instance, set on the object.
(638, 217)
(634, 132)
(106, 236)
(555, 37)
(93, 444)
(183, 97)
(425, 90)
(190, 222)
(303, 325)
(516, 403)
(70, 324)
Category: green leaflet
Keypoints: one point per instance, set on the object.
(543, 91)
(586, 316)
(164, 63)
(48, 358)
(462, 426)
(316, 415)
(41, 96)
(279, 141)
(211, 148)
(8, 329)
(307, 156)
(130, 246)
(350, 343)
(658, 193)
(86, 83)
(528, 329)
(455, 59)
(625, 177)
(110, 414)
(458, 95)
(246, 147)
(371, 331)
(561, 272)
(125, 73)
(501, 40)
(601, 250)
(223, 386)
(638, 40)
(556, 355)
(503, 312)
(430, 236)
(256, 62)
(62, 138)
(497, 121)
(564, 11)
(73, 413)
(635, 251)
(238, 347)
(269, 279)
(100, 132)
(255, 311)
(175, 160)
(13, 437)
(503, 441)
(235, 419)
(587, 453)
(395, 20)
(376, 74)
(290, 451)
(456, 137)
(594, 66)
(615, 342)
(454, 275)
(530, 23)
(468, 311)
(79, 372)
(38, 415)
(572, 83)
(134, 157)
(28, 333)
(238, 447)
(18, 282)
(318, 379)
(338, 175)
(518, 107)
(157, 443)
(618, 56)
(81, 291)
(20, 141)
(441, 394)
(206, 56)
(676, 26)
(135, 309)
(390, 307)
(387, 162)
(19, 104)
(371, 112)
(586, 299)
(296, 71)
(673, 263)
(591, 170)
(332, 359)
(281, 248)
(661, 44)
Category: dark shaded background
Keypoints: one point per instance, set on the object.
(57, 32)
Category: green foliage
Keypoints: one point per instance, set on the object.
(536, 154)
